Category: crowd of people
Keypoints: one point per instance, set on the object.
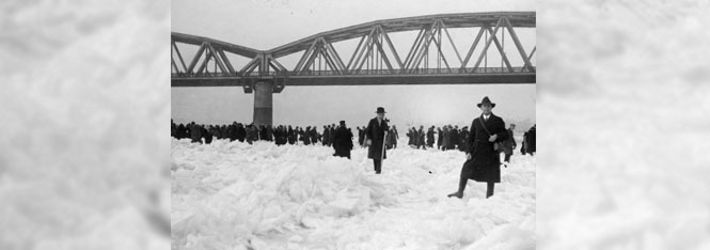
(338, 137)
(281, 134)
(451, 137)
(483, 143)
(447, 137)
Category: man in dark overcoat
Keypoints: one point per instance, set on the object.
(411, 135)
(359, 136)
(342, 141)
(509, 144)
(375, 133)
(395, 136)
(326, 135)
(421, 143)
(483, 161)
(332, 131)
(440, 136)
(430, 137)
(181, 131)
(241, 134)
(195, 132)
(463, 145)
(530, 141)
(207, 134)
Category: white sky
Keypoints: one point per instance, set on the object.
(268, 24)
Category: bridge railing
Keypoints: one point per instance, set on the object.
(430, 71)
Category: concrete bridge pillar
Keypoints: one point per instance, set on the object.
(263, 102)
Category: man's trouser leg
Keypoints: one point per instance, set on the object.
(462, 182)
(378, 165)
(489, 189)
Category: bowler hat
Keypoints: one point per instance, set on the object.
(486, 101)
(380, 110)
(342, 123)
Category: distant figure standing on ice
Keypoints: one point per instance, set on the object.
(483, 158)
(509, 144)
(342, 141)
(375, 134)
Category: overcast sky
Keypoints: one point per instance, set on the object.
(268, 24)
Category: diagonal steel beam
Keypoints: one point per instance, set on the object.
(473, 47)
(226, 61)
(316, 51)
(424, 49)
(335, 56)
(276, 62)
(501, 50)
(182, 62)
(415, 47)
(249, 67)
(196, 58)
(488, 44)
(204, 63)
(518, 45)
(347, 67)
(384, 56)
(368, 54)
(217, 59)
(172, 62)
(452, 42)
(329, 61)
(438, 46)
(363, 50)
(304, 57)
(391, 46)
(532, 53)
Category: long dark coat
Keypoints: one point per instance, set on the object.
(360, 136)
(241, 133)
(509, 143)
(181, 131)
(342, 141)
(376, 132)
(484, 165)
(463, 145)
(196, 133)
(430, 137)
(530, 141)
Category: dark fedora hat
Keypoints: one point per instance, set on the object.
(342, 123)
(486, 101)
(380, 110)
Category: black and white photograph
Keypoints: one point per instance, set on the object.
(353, 125)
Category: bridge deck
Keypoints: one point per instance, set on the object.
(511, 78)
(367, 77)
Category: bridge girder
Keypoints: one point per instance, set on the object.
(375, 55)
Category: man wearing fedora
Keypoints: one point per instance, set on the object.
(375, 134)
(342, 141)
(483, 159)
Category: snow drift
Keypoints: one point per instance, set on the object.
(231, 195)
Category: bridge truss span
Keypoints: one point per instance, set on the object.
(426, 54)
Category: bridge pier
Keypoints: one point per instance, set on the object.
(263, 102)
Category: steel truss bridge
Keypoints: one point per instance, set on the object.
(374, 61)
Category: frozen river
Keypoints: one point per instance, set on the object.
(240, 196)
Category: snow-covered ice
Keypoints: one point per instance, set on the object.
(232, 195)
